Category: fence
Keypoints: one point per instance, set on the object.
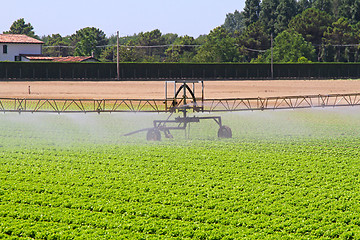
(43, 71)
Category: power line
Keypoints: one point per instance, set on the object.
(59, 46)
(254, 50)
(186, 45)
(152, 46)
(336, 45)
(127, 46)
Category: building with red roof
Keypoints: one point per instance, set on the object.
(19, 47)
(29, 57)
(75, 59)
(14, 46)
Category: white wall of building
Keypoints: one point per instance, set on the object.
(17, 49)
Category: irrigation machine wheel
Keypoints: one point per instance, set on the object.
(224, 132)
(168, 134)
(153, 135)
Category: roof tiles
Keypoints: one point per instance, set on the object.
(72, 59)
(39, 57)
(18, 39)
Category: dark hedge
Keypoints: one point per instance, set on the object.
(18, 71)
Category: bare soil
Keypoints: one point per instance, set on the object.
(151, 90)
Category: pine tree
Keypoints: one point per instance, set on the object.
(234, 22)
(285, 11)
(323, 5)
(268, 14)
(311, 24)
(20, 27)
(350, 9)
(302, 5)
(251, 11)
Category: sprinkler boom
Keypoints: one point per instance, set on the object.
(179, 106)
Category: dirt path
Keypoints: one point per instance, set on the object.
(136, 90)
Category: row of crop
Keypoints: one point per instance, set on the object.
(110, 224)
(286, 226)
(45, 227)
(29, 228)
(162, 206)
(265, 187)
(299, 205)
(251, 180)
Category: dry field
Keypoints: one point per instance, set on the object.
(137, 90)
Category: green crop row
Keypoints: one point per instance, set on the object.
(284, 175)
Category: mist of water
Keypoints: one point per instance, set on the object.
(77, 129)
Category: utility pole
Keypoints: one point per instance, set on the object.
(117, 57)
(272, 57)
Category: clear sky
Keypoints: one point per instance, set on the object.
(184, 17)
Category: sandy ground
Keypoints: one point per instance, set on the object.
(150, 90)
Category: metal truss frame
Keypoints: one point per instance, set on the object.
(285, 102)
(34, 105)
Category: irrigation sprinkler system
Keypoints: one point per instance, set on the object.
(178, 106)
(182, 102)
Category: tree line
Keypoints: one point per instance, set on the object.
(299, 31)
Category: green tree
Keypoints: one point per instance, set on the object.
(200, 40)
(253, 41)
(290, 46)
(340, 34)
(285, 11)
(335, 7)
(344, 8)
(112, 40)
(251, 11)
(355, 12)
(151, 39)
(350, 9)
(170, 38)
(234, 22)
(126, 54)
(183, 50)
(20, 27)
(109, 54)
(86, 41)
(311, 24)
(323, 5)
(268, 14)
(57, 46)
(302, 5)
(219, 47)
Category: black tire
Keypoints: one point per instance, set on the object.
(224, 132)
(153, 135)
(168, 134)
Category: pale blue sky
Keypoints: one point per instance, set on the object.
(185, 17)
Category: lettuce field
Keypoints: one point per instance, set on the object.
(283, 175)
